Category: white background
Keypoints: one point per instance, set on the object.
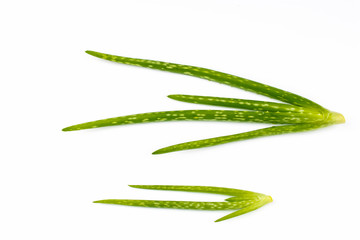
(49, 178)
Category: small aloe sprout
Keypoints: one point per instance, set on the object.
(242, 201)
(295, 114)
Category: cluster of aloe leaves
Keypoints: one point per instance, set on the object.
(296, 114)
(242, 201)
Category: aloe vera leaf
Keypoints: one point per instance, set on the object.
(202, 115)
(249, 208)
(215, 76)
(238, 103)
(202, 189)
(178, 204)
(270, 131)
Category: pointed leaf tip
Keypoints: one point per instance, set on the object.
(157, 152)
(173, 96)
(93, 53)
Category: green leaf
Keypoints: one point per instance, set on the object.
(200, 189)
(205, 115)
(270, 131)
(239, 103)
(177, 204)
(215, 76)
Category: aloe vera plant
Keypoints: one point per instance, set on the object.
(242, 201)
(296, 114)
